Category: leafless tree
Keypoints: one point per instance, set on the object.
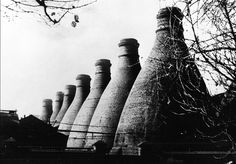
(51, 11)
(212, 25)
(211, 38)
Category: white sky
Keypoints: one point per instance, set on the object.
(38, 60)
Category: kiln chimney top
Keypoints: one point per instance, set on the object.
(170, 12)
(129, 41)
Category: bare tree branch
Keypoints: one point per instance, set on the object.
(53, 10)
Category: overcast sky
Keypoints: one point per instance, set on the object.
(38, 60)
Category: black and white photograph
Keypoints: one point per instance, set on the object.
(118, 82)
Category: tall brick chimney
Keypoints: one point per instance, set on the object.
(109, 108)
(82, 91)
(84, 116)
(69, 95)
(158, 88)
(46, 110)
(57, 106)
